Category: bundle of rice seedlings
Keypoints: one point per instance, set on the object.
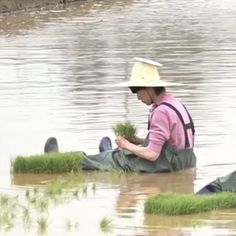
(182, 204)
(126, 130)
(48, 163)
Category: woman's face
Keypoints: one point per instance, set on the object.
(144, 96)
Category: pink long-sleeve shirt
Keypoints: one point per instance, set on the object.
(165, 125)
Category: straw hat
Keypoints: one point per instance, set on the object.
(145, 74)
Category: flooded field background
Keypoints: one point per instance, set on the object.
(53, 64)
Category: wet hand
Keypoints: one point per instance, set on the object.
(122, 142)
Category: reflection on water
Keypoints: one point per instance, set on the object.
(207, 224)
(52, 62)
(121, 197)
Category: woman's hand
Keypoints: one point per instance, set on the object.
(122, 142)
(139, 151)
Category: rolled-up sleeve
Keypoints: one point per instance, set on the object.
(159, 131)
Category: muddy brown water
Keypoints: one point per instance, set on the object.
(51, 64)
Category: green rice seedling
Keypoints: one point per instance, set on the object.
(26, 217)
(182, 204)
(27, 194)
(35, 190)
(42, 225)
(74, 178)
(126, 130)
(94, 187)
(42, 204)
(48, 163)
(32, 195)
(76, 193)
(32, 199)
(8, 201)
(105, 224)
(70, 225)
(85, 189)
(7, 220)
(55, 187)
(8, 211)
(4, 200)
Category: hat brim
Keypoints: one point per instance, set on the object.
(147, 61)
(159, 84)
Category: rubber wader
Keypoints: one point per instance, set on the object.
(224, 183)
(170, 159)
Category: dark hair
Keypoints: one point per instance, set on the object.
(158, 90)
(135, 89)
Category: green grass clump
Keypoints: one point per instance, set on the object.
(48, 163)
(105, 224)
(126, 130)
(181, 204)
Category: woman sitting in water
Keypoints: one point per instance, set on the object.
(170, 140)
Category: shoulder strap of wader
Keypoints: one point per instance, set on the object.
(190, 119)
(187, 126)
